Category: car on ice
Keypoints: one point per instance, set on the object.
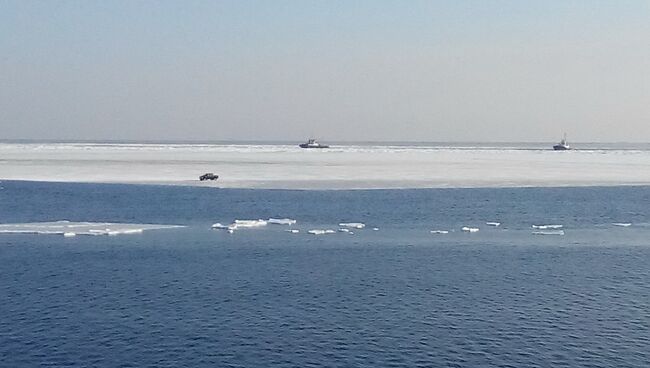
(208, 176)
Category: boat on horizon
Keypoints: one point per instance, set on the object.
(312, 143)
(563, 145)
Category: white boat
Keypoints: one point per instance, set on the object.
(563, 145)
(312, 143)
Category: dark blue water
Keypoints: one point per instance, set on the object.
(397, 297)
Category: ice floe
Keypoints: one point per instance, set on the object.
(549, 232)
(468, 229)
(375, 229)
(250, 223)
(353, 225)
(321, 231)
(349, 166)
(239, 224)
(220, 226)
(545, 227)
(439, 231)
(281, 221)
(495, 224)
(71, 229)
(622, 224)
(292, 231)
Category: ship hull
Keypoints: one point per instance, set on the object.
(305, 145)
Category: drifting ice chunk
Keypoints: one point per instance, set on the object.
(495, 224)
(375, 229)
(69, 235)
(231, 228)
(622, 224)
(439, 232)
(544, 227)
(550, 232)
(250, 223)
(470, 229)
(344, 230)
(293, 231)
(321, 232)
(354, 225)
(281, 221)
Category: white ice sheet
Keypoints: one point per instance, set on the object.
(343, 167)
(70, 228)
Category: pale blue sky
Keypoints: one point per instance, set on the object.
(338, 70)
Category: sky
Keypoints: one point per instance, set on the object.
(494, 71)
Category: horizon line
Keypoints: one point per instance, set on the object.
(289, 142)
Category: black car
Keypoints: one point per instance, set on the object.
(208, 176)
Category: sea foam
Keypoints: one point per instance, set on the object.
(548, 232)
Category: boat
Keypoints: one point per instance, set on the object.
(312, 143)
(563, 145)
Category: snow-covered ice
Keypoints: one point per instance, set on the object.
(495, 224)
(468, 229)
(622, 224)
(353, 225)
(439, 231)
(70, 228)
(240, 224)
(250, 223)
(544, 227)
(341, 167)
(281, 221)
(321, 231)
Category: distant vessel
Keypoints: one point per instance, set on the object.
(311, 143)
(563, 145)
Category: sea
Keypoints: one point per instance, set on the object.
(391, 294)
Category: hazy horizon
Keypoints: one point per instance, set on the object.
(577, 145)
(365, 71)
